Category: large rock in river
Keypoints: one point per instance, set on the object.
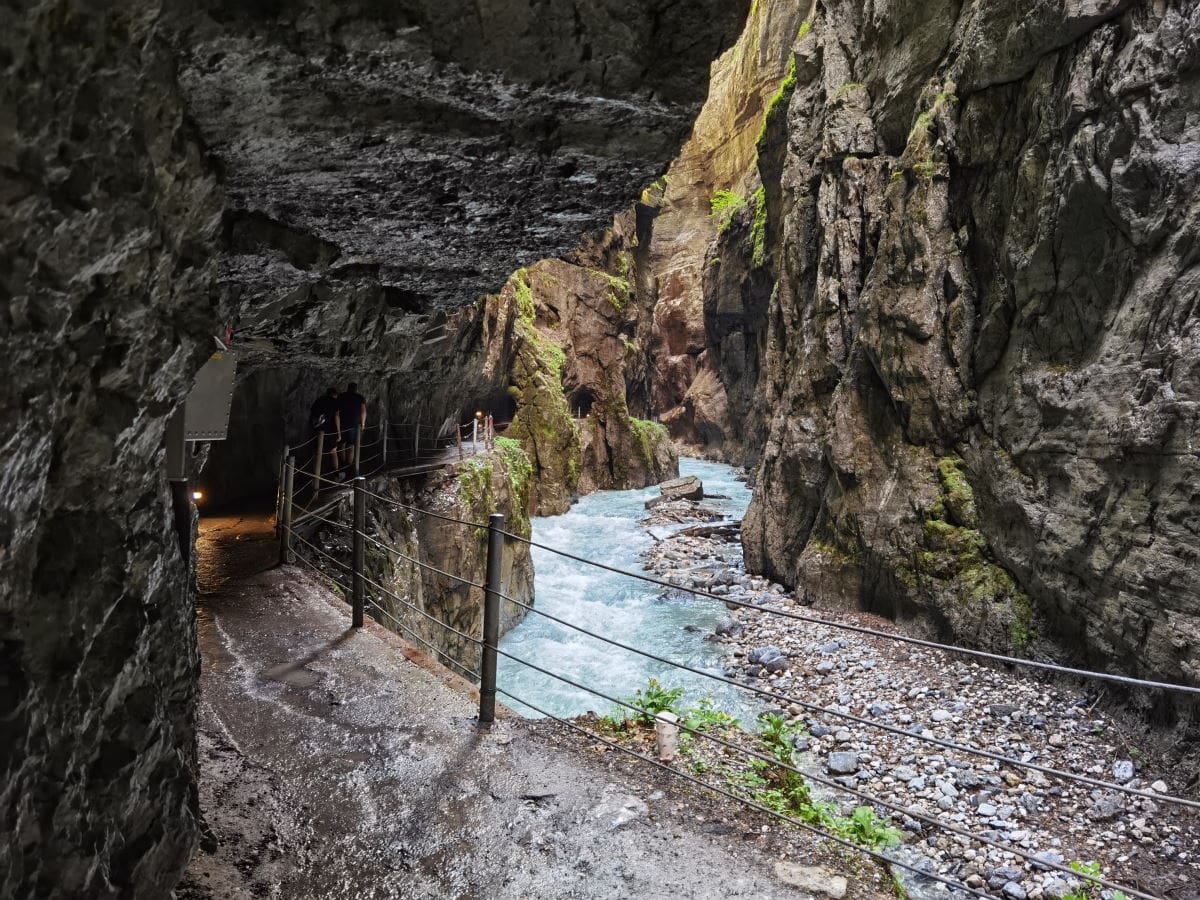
(688, 488)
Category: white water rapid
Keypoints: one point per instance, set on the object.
(604, 527)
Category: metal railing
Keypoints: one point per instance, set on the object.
(363, 600)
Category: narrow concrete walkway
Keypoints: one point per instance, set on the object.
(342, 763)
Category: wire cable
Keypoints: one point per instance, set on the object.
(895, 807)
(860, 629)
(882, 726)
(958, 886)
(375, 608)
(423, 565)
(434, 619)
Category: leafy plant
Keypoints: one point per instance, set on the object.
(704, 715)
(1090, 889)
(866, 828)
(758, 231)
(651, 700)
(725, 205)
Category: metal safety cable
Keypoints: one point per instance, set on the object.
(750, 803)
(950, 745)
(895, 807)
(860, 629)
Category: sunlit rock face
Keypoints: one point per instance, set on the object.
(378, 171)
(977, 367)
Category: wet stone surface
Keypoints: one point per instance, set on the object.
(342, 763)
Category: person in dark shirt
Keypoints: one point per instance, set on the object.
(352, 416)
(323, 418)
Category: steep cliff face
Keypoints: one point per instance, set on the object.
(108, 222)
(382, 165)
(706, 313)
(981, 370)
(570, 339)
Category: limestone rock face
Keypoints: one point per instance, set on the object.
(109, 221)
(706, 355)
(979, 372)
(386, 160)
(381, 166)
(569, 339)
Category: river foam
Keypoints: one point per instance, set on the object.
(604, 527)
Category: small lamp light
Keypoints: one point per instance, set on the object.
(479, 413)
(197, 495)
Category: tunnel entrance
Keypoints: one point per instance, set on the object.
(581, 401)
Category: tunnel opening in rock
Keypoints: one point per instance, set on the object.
(581, 401)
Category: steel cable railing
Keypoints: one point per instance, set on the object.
(895, 807)
(1045, 863)
(439, 654)
(860, 629)
(847, 716)
(879, 857)
(811, 707)
(490, 646)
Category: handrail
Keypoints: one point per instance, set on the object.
(492, 591)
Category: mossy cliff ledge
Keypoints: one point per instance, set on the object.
(571, 339)
(496, 482)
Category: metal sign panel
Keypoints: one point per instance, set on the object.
(206, 413)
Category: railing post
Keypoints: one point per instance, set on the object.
(319, 462)
(285, 521)
(357, 450)
(417, 439)
(360, 527)
(287, 451)
(491, 618)
(384, 426)
(458, 433)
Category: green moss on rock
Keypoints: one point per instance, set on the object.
(647, 436)
(777, 106)
(758, 231)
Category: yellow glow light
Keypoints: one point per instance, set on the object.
(197, 495)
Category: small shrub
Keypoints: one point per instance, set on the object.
(725, 206)
(704, 715)
(864, 827)
(651, 700)
(1089, 889)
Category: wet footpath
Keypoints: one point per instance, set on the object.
(343, 763)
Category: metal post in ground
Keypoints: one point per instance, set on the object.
(318, 463)
(287, 451)
(417, 439)
(360, 527)
(491, 618)
(357, 449)
(384, 428)
(458, 432)
(285, 519)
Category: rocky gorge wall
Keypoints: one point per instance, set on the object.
(967, 292)
(335, 183)
(109, 222)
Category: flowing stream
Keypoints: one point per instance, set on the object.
(604, 527)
